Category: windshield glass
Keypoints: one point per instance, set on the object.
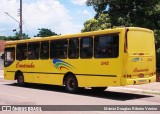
(9, 56)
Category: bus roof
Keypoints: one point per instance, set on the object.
(92, 33)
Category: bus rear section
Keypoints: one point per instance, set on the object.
(139, 58)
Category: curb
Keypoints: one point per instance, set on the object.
(135, 90)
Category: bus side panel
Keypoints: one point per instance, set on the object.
(28, 77)
(108, 72)
(9, 75)
(100, 81)
(53, 79)
(46, 73)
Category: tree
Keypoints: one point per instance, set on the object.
(103, 22)
(16, 37)
(24, 36)
(43, 32)
(98, 5)
(140, 13)
(143, 13)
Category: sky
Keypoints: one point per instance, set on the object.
(61, 16)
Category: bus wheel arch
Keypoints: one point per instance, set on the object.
(20, 78)
(70, 82)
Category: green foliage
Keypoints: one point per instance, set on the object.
(98, 5)
(16, 37)
(24, 36)
(142, 13)
(90, 25)
(103, 22)
(43, 32)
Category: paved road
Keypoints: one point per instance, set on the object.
(33, 94)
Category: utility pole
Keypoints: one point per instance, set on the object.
(20, 24)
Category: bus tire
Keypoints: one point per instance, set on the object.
(99, 89)
(71, 84)
(20, 79)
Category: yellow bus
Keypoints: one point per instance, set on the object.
(112, 57)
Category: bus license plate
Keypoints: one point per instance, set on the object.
(142, 81)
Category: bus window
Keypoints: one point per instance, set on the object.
(9, 56)
(73, 48)
(58, 49)
(106, 46)
(33, 51)
(44, 51)
(21, 53)
(86, 49)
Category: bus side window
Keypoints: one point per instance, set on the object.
(106, 46)
(44, 51)
(58, 49)
(73, 52)
(33, 51)
(86, 50)
(21, 53)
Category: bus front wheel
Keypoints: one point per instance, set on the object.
(71, 84)
(20, 79)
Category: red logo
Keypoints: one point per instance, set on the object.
(140, 70)
(31, 65)
(105, 63)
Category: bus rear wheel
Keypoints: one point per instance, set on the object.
(71, 84)
(20, 79)
(99, 89)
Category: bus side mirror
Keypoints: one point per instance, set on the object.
(2, 56)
